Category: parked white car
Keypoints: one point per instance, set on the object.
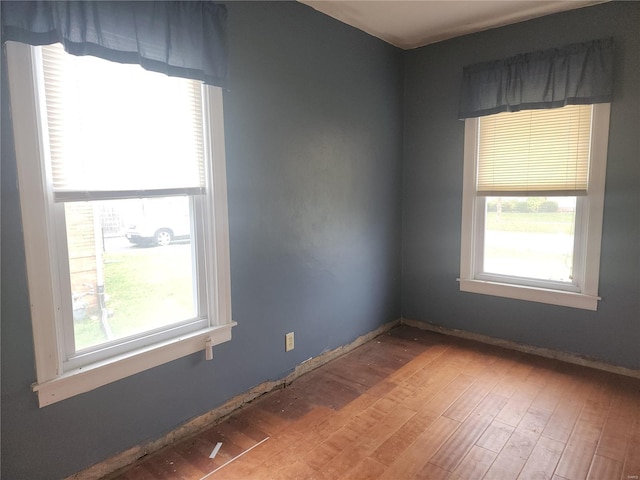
(163, 221)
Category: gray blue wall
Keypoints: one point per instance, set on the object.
(320, 195)
(313, 137)
(432, 192)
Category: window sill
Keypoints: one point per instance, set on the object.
(98, 374)
(532, 294)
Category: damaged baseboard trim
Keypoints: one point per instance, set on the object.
(520, 347)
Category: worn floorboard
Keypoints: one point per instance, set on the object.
(413, 404)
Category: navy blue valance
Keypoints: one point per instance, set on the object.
(182, 39)
(576, 74)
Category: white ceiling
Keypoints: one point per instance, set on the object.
(414, 23)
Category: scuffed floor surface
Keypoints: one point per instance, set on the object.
(415, 404)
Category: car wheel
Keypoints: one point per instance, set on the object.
(163, 238)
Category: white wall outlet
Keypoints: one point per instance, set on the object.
(288, 342)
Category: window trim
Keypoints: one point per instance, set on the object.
(589, 250)
(52, 383)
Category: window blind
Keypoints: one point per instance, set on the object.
(535, 152)
(117, 130)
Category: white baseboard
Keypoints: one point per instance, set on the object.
(540, 351)
(113, 465)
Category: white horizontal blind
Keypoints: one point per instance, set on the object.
(535, 152)
(118, 130)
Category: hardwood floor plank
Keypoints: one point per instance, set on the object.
(344, 461)
(423, 360)
(495, 436)
(432, 472)
(543, 460)
(615, 438)
(557, 385)
(138, 471)
(233, 443)
(311, 421)
(512, 457)
(382, 388)
(416, 404)
(534, 421)
(242, 422)
(374, 414)
(172, 466)
(196, 451)
(371, 439)
(565, 416)
(474, 464)
(619, 424)
(387, 427)
(457, 446)
(631, 469)
(517, 373)
(540, 373)
(296, 469)
(279, 450)
(400, 392)
(578, 455)
(464, 405)
(442, 400)
(435, 382)
(342, 438)
(233, 471)
(416, 455)
(579, 452)
(393, 446)
(343, 416)
(320, 455)
(517, 406)
(260, 452)
(603, 467)
(367, 469)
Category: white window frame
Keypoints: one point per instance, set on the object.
(38, 213)
(584, 292)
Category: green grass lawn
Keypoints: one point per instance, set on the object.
(548, 222)
(146, 288)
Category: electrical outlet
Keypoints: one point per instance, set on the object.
(288, 342)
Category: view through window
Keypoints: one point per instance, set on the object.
(530, 237)
(131, 267)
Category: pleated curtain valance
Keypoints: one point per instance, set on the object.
(577, 74)
(181, 39)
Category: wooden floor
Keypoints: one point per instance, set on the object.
(415, 404)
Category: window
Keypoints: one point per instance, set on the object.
(123, 193)
(532, 204)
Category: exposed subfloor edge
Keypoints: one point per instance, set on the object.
(113, 465)
(520, 347)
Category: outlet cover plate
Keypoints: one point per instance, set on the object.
(288, 342)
